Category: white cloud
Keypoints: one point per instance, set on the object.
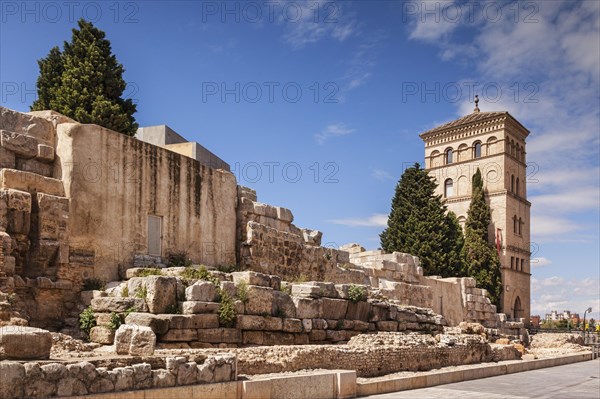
(540, 262)
(556, 293)
(375, 220)
(333, 130)
(552, 281)
(382, 175)
(430, 23)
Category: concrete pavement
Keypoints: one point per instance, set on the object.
(576, 381)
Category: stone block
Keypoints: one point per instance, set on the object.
(135, 340)
(292, 325)
(308, 308)
(283, 305)
(317, 335)
(345, 384)
(159, 325)
(204, 321)
(278, 338)
(336, 335)
(119, 305)
(202, 291)
(312, 237)
(358, 311)
(22, 145)
(251, 278)
(102, 335)
(32, 124)
(249, 322)
(260, 300)
(162, 379)
(24, 343)
(307, 325)
(387, 325)
(334, 308)
(30, 182)
(161, 294)
(253, 338)
(45, 153)
(306, 291)
(13, 380)
(35, 166)
(196, 307)
(320, 324)
(284, 214)
(301, 339)
(230, 288)
(180, 335)
(7, 159)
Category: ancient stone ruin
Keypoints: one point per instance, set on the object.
(177, 276)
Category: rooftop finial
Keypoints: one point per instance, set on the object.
(476, 103)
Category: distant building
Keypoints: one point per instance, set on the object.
(535, 321)
(565, 315)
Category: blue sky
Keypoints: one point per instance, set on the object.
(318, 105)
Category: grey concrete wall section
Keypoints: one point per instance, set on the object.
(159, 135)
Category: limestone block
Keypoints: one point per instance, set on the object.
(251, 278)
(30, 182)
(180, 335)
(334, 308)
(358, 311)
(143, 375)
(352, 248)
(45, 153)
(162, 378)
(246, 192)
(301, 339)
(307, 325)
(260, 300)
(35, 166)
(32, 125)
(404, 315)
(52, 217)
(102, 335)
(249, 322)
(135, 340)
(387, 325)
(229, 287)
(161, 293)
(27, 343)
(119, 305)
(13, 380)
(317, 335)
(312, 237)
(159, 325)
(306, 290)
(22, 145)
(187, 373)
(7, 159)
(204, 321)
(220, 335)
(336, 335)
(124, 378)
(253, 338)
(284, 214)
(278, 338)
(202, 291)
(54, 371)
(292, 325)
(197, 307)
(308, 308)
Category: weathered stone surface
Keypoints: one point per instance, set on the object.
(7, 158)
(124, 378)
(26, 343)
(202, 291)
(54, 371)
(334, 308)
(358, 311)
(204, 321)
(292, 325)
(102, 335)
(248, 322)
(13, 380)
(308, 308)
(312, 237)
(251, 278)
(283, 305)
(142, 373)
(196, 307)
(22, 145)
(114, 304)
(159, 325)
(161, 293)
(180, 335)
(187, 373)
(30, 182)
(35, 166)
(45, 153)
(162, 379)
(220, 335)
(260, 300)
(135, 340)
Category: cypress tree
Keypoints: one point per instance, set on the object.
(418, 225)
(87, 83)
(454, 244)
(480, 256)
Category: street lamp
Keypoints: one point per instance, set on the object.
(588, 310)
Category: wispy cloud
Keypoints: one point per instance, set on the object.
(375, 220)
(331, 131)
(382, 175)
(558, 293)
(540, 262)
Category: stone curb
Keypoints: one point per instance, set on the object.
(470, 372)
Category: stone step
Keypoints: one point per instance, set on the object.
(30, 182)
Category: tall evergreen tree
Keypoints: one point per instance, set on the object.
(480, 256)
(87, 83)
(418, 225)
(454, 244)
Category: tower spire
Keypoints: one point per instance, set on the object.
(476, 103)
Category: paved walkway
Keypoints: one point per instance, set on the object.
(572, 381)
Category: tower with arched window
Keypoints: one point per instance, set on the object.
(494, 142)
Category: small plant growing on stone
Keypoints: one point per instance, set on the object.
(242, 291)
(125, 292)
(115, 321)
(228, 268)
(173, 309)
(87, 320)
(178, 259)
(191, 273)
(90, 284)
(339, 325)
(286, 287)
(357, 293)
(301, 278)
(12, 298)
(141, 292)
(128, 311)
(227, 314)
(149, 271)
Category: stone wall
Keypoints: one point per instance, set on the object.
(51, 379)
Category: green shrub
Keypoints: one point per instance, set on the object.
(191, 273)
(178, 259)
(286, 287)
(173, 309)
(357, 293)
(148, 271)
(90, 284)
(242, 291)
(229, 268)
(227, 314)
(87, 320)
(141, 292)
(115, 321)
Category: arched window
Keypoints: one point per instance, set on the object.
(489, 148)
(448, 188)
(520, 223)
(512, 183)
(512, 148)
(518, 309)
(512, 262)
(448, 156)
(522, 263)
(433, 159)
(517, 186)
(477, 150)
(462, 153)
(515, 221)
